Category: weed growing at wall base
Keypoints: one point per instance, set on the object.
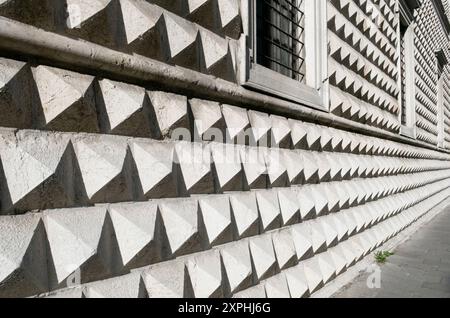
(382, 256)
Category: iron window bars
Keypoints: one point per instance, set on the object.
(406, 78)
(280, 37)
(286, 50)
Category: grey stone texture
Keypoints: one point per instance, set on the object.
(141, 27)
(100, 196)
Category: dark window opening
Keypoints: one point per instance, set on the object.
(403, 29)
(280, 37)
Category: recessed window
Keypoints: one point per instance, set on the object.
(441, 60)
(407, 97)
(280, 37)
(286, 50)
(403, 30)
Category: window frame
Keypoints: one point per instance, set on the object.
(314, 91)
(440, 111)
(441, 62)
(405, 15)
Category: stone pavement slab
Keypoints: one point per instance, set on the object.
(419, 268)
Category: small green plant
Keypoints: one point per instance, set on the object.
(382, 256)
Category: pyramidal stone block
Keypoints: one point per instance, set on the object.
(260, 127)
(335, 168)
(221, 17)
(194, 168)
(298, 134)
(192, 6)
(254, 167)
(127, 286)
(237, 122)
(230, 20)
(263, 256)
(180, 218)
(245, 214)
(346, 252)
(104, 168)
(338, 222)
(292, 161)
(313, 136)
(326, 266)
(205, 274)
(23, 256)
(47, 17)
(301, 237)
(216, 57)
(35, 171)
(154, 162)
(167, 280)
(306, 203)
(310, 167)
(350, 221)
(237, 266)
(95, 21)
(296, 280)
(76, 245)
(284, 248)
(356, 248)
(167, 113)
(196, 11)
(65, 100)
(256, 292)
(289, 207)
(216, 216)
(227, 168)
(330, 192)
(276, 170)
(313, 274)
(326, 139)
(69, 293)
(269, 210)
(123, 109)
(343, 196)
(208, 121)
(137, 229)
(317, 236)
(180, 41)
(143, 24)
(15, 94)
(281, 131)
(277, 287)
(138, 18)
(319, 198)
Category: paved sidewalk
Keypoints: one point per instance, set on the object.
(419, 268)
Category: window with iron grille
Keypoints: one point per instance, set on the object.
(403, 30)
(441, 63)
(407, 98)
(287, 50)
(280, 36)
(440, 104)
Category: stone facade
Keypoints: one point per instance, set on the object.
(100, 197)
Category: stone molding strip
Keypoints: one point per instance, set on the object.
(59, 50)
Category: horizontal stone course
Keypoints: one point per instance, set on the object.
(42, 170)
(112, 189)
(254, 267)
(144, 28)
(109, 240)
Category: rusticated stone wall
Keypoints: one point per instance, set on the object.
(99, 199)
